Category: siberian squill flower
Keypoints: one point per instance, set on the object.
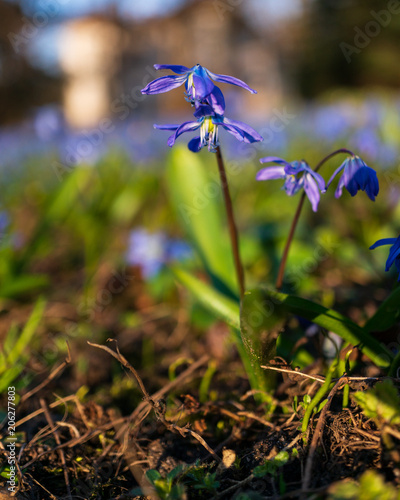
(151, 251)
(198, 83)
(356, 176)
(394, 253)
(207, 123)
(297, 175)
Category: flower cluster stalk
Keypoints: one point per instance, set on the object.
(233, 233)
(356, 176)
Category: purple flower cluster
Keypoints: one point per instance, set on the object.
(356, 176)
(209, 104)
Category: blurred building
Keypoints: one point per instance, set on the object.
(90, 59)
(107, 61)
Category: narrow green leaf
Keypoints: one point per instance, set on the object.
(227, 310)
(222, 306)
(387, 314)
(196, 197)
(19, 353)
(260, 324)
(335, 322)
(23, 284)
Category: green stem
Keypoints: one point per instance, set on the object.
(279, 279)
(317, 398)
(231, 223)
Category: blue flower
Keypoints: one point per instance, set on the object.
(208, 124)
(152, 251)
(198, 83)
(394, 253)
(312, 182)
(356, 175)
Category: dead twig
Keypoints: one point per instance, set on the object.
(158, 408)
(58, 441)
(317, 432)
(50, 377)
(131, 459)
(39, 412)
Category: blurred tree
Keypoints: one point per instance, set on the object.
(348, 43)
(21, 85)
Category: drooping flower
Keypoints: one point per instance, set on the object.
(297, 175)
(356, 176)
(199, 83)
(208, 124)
(394, 253)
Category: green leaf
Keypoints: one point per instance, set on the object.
(271, 466)
(21, 285)
(387, 314)
(260, 324)
(18, 354)
(380, 403)
(223, 307)
(153, 475)
(227, 310)
(335, 322)
(372, 486)
(196, 197)
(175, 472)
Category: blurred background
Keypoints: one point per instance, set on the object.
(73, 69)
(88, 197)
(90, 203)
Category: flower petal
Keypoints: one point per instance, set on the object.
(166, 127)
(164, 84)
(203, 110)
(339, 169)
(367, 180)
(320, 180)
(339, 189)
(180, 70)
(230, 79)
(393, 254)
(195, 144)
(269, 173)
(238, 129)
(384, 241)
(274, 159)
(202, 83)
(185, 127)
(312, 191)
(216, 100)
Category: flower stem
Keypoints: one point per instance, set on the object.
(330, 155)
(231, 223)
(279, 279)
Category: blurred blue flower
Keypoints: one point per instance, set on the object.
(198, 83)
(356, 176)
(367, 140)
(330, 122)
(311, 181)
(394, 253)
(4, 221)
(48, 123)
(208, 123)
(151, 251)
